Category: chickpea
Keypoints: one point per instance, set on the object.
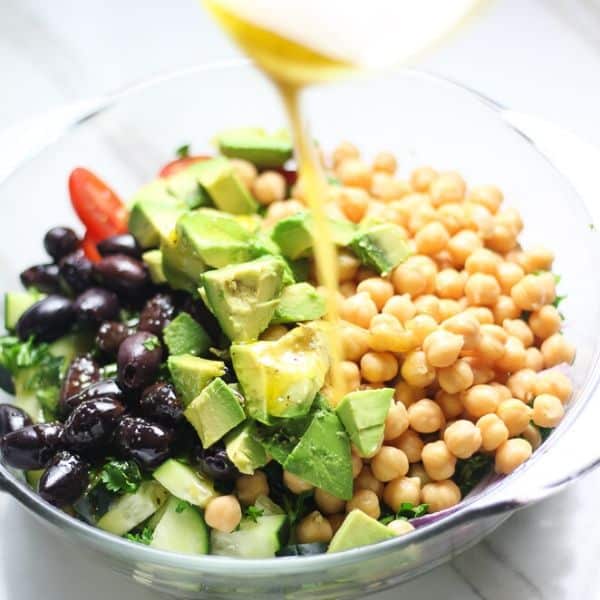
(505, 308)
(554, 383)
(421, 217)
(466, 326)
(533, 436)
(515, 414)
(416, 371)
(522, 384)
(456, 377)
(483, 314)
(482, 289)
(448, 309)
(490, 349)
(502, 238)
(344, 151)
(418, 471)
(380, 290)
(481, 373)
(400, 490)
(365, 273)
(557, 350)
(489, 196)
(409, 278)
(245, 170)
(452, 217)
(365, 500)
(463, 438)
(480, 219)
(281, 210)
(440, 495)
(493, 431)
(327, 503)
(482, 261)
(537, 259)
(358, 309)
(411, 444)
(295, 484)
(481, 400)
(273, 333)
(462, 245)
(354, 341)
(350, 375)
(512, 454)
(545, 322)
(348, 266)
(514, 356)
(508, 275)
(422, 178)
(519, 329)
(314, 528)
(432, 238)
(367, 481)
(428, 304)
(447, 187)
(548, 410)
(336, 521)
(250, 487)
(353, 202)
(400, 307)
(451, 404)
(407, 394)
(396, 421)
(223, 513)
(387, 188)
(503, 392)
(354, 172)
(511, 218)
(449, 283)
(534, 291)
(425, 416)
(420, 327)
(357, 465)
(389, 463)
(400, 527)
(387, 334)
(386, 162)
(269, 187)
(347, 289)
(534, 359)
(376, 367)
(438, 461)
(442, 348)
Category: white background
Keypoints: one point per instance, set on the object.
(536, 56)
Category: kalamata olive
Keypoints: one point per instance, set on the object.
(144, 442)
(157, 313)
(108, 388)
(12, 418)
(122, 274)
(42, 277)
(160, 403)
(138, 360)
(92, 423)
(65, 479)
(111, 335)
(82, 372)
(47, 320)
(60, 241)
(120, 244)
(215, 463)
(32, 447)
(96, 305)
(197, 309)
(76, 271)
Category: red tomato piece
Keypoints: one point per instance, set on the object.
(290, 175)
(88, 245)
(175, 166)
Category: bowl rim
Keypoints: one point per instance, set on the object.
(470, 508)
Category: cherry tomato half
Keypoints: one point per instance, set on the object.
(175, 166)
(99, 208)
(88, 245)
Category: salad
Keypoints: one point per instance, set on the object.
(170, 368)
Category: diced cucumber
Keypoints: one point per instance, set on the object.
(33, 477)
(16, 303)
(184, 531)
(185, 483)
(130, 510)
(260, 539)
(71, 345)
(268, 507)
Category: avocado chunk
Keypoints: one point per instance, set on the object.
(322, 456)
(244, 450)
(382, 247)
(185, 187)
(16, 303)
(181, 269)
(358, 529)
(216, 411)
(363, 415)
(257, 146)
(192, 374)
(299, 302)
(185, 483)
(243, 297)
(184, 335)
(294, 235)
(281, 378)
(153, 260)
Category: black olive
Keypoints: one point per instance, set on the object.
(65, 479)
(215, 463)
(125, 275)
(60, 241)
(120, 244)
(138, 360)
(32, 447)
(12, 418)
(111, 335)
(91, 424)
(157, 313)
(144, 442)
(47, 320)
(96, 305)
(108, 388)
(197, 309)
(76, 272)
(160, 403)
(82, 372)
(42, 277)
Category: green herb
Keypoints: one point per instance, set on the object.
(558, 300)
(142, 537)
(151, 343)
(183, 151)
(406, 511)
(108, 371)
(471, 471)
(253, 512)
(182, 505)
(545, 432)
(131, 318)
(331, 180)
(121, 476)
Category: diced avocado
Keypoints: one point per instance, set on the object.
(182, 269)
(184, 335)
(299, 302)
(186, 188)
(382, 247)
(300, 269)
(192, 374)
(252, 223)
(363, 415)
(281, 378)
(216, 411)
(153, 260)
(358, 529)
(243, 297)
(322, 456)
(181, 529)
(244, 450)
(219, 180)
(130, 510)
(16, 303)
(280, 439)
(257, 146)
(185, 483)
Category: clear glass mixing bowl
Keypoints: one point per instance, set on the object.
(125, 137)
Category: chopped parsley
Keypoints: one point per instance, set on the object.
(121, 476)
(142, 537)
(182, 505)
(469, 472)
(152, 343)
(183, 151)
(253, 512)
(406, 511)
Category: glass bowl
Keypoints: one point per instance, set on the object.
(125, 137)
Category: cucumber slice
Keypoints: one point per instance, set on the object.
(33, 478)
(268, 507)
(16, 303)
(184, 531)
(185, 483)
(260, 539)
(130, 510)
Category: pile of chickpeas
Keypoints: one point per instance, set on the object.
(465, 330)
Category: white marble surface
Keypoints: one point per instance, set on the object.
(536, 56)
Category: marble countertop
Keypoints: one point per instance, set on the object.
(533, 55)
